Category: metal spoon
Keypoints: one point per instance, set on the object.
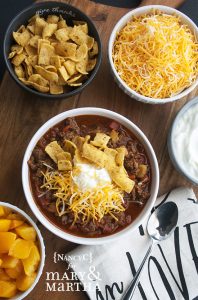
(160, 225)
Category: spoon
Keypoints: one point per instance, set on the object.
(160, 225)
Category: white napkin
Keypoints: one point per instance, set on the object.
(171, 272)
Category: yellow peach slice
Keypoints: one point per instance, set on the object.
(16, 271)
(7, 289)
(24, 282)
(4, 225)
(8, 261)
(3, 275)
(16, 223)
(7, 239)
(26, 232)
(21, 248)
(30, 264)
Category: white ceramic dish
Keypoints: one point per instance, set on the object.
(22, 295)
(172, 153)
(128, 124)
(120, 24)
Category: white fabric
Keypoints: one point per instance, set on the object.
(111, 261)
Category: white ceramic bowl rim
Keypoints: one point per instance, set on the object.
(22, 295)
(122, 120)
(120, 24)
(171, 149)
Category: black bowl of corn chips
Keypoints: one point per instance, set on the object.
(52, 49)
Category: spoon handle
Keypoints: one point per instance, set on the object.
(130, 291)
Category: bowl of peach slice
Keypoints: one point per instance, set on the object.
(22, 253)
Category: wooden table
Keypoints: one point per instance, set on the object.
(21, 114)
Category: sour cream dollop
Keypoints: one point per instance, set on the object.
(185, 141)
(89, 177)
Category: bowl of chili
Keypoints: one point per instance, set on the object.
(90, 175)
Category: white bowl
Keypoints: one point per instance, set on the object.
(22, 295)
(128, 124)
(170, 142)
(120, 24)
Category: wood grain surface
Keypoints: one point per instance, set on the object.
(21, 114)
(172, 3)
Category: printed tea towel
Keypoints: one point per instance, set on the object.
(171, 272)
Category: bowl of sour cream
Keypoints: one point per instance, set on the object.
(183, 141)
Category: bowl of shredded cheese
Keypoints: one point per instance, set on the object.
(153, 54)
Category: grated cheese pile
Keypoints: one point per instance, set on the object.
(92, 204)
(156, 55)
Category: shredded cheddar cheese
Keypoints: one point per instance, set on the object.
(156, 55)
(92, 204)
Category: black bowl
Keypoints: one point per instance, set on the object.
(44, 9)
